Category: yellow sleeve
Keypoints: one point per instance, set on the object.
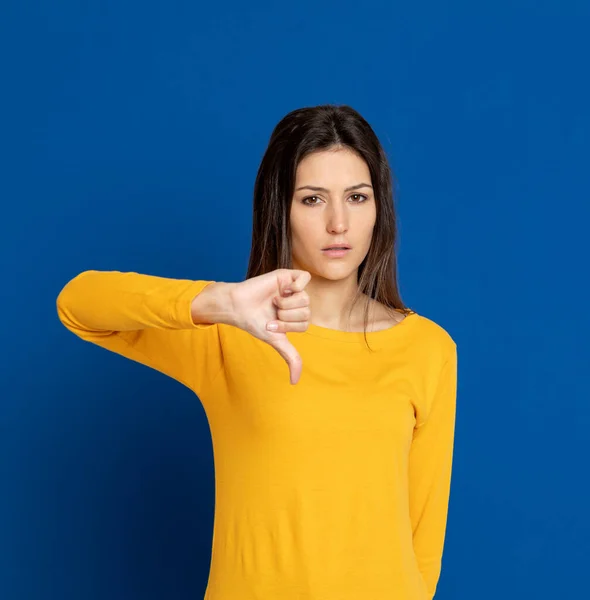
(430, 464)
(146, 319)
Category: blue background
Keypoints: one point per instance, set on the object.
(130, 135)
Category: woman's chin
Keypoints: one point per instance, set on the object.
(335, 272)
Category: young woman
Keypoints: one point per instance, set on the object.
(335, 488)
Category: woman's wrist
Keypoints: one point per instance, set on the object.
(214, 304)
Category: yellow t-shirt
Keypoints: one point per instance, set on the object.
(336, 488)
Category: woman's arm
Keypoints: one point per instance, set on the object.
(151, 320)
(430, 464)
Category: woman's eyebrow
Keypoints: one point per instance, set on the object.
(321, 189)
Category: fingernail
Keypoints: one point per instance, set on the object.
(287, 292)
(272, 326)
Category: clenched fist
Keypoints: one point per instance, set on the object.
(270, 305)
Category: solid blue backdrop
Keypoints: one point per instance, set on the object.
(131, 134)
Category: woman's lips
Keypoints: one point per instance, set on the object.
(336, 253)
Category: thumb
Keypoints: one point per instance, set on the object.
(283, 346)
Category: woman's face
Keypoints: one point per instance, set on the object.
(342, 212)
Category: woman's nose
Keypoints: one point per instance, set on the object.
(337, 227)
(337, 221)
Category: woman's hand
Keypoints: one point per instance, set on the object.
(260, 302)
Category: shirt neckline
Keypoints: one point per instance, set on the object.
(339, 335)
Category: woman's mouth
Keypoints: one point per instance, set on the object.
(336, 252)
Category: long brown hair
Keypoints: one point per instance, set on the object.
(298, 134)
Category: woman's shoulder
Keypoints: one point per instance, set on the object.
(427, 332)
(382, 317)
(433, 335)
(386, 317)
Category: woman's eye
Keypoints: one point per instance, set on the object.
(358, 199)
(305, 200)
